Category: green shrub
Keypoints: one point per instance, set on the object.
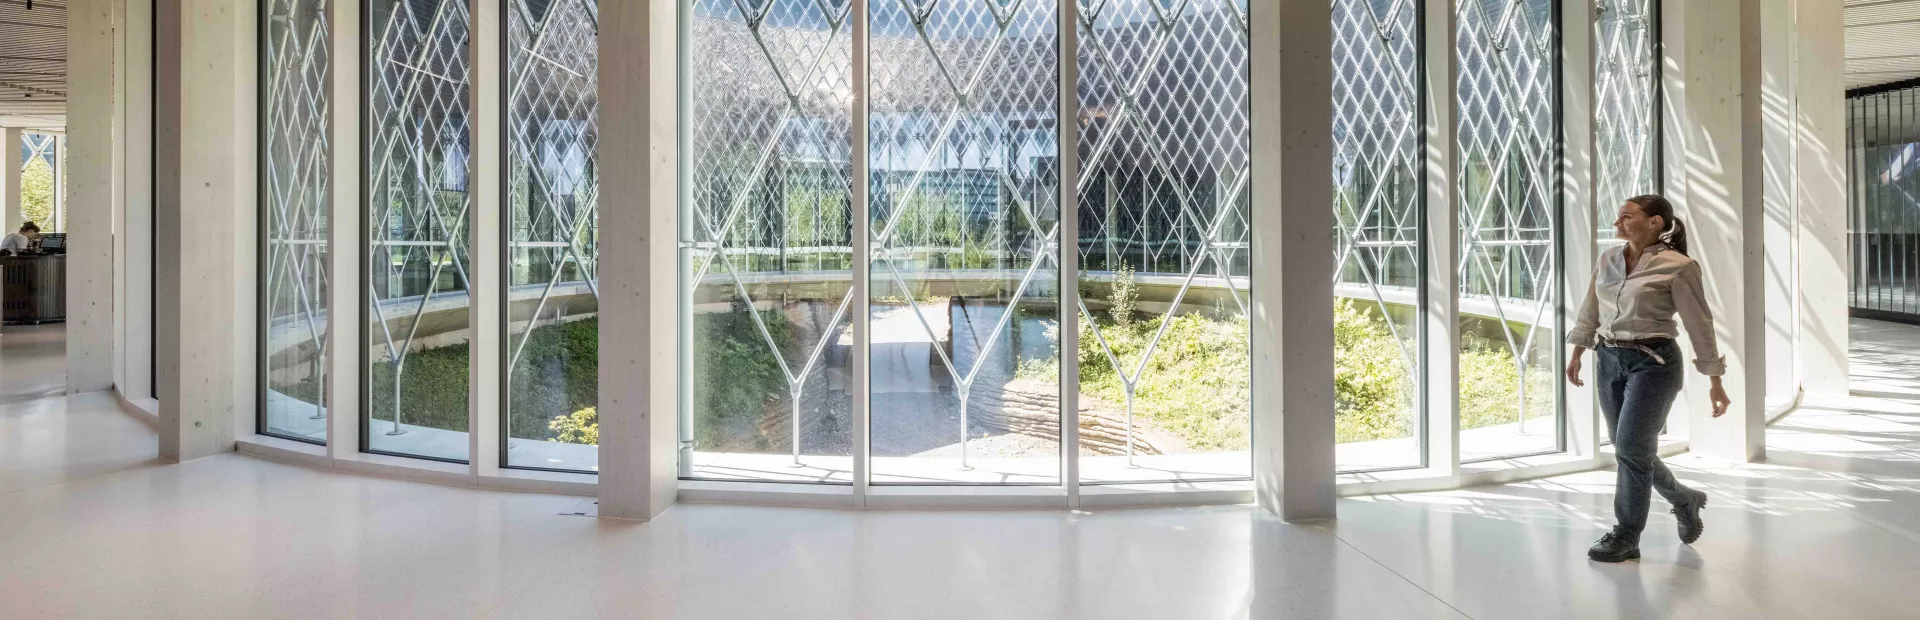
(1124, 297)
(735, 377)
(1490, 389)
(557, 373)
(582, 427)
(1196, 385)
(433, 389)
(1373, 391)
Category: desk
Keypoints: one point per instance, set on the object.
(35, 289)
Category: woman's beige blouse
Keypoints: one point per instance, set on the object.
(1642, 305)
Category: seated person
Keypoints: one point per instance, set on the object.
(17, 243)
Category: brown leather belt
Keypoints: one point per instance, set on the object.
(1644, 346)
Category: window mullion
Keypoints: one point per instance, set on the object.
(1067, 124)
(486, 185)
(861, 174)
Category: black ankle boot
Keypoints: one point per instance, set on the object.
(1688, 514)
(1613, 548)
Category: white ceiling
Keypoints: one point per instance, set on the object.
(33, 63)
(1883, 41)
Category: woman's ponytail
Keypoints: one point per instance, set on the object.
(1675, 234)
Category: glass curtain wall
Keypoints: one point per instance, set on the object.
(1509, 193)
(40, 181)
(767, 241)
(965, 288)
(965, 291)
(1379, 183)
(1883, 137)
(1164, 215)
(416, 214)
(552, 343)
(295, 202)
(965, 223)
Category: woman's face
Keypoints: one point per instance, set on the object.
(1633, 226)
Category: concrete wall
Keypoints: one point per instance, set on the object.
(10, 180)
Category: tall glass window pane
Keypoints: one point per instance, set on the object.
(767, 241)
(553, 189)
(1509, 207)
(41, 155)
(295, 204)
(1378, 184)
(1626, 120)
(1165, 367)
(1627, 115)
(416, 220)
(1883, 172)
(965, 220)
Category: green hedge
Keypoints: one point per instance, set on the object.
(558, 374)
(735, 377)
(433, 390)
(555, 386)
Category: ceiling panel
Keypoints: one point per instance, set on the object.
(33, 58)
(1883, 41)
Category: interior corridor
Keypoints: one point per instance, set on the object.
(1828, 527)
(46, 437)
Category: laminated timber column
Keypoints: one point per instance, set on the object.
(1292, 313)
(1717, 180)
(484, 247)
(638, 158)
(343, 233)
(1578, 211)
(92, 43)
(1441, 316)
(204, 125)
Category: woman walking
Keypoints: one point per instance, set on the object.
(1628, 318)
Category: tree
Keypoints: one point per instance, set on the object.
(36, 193)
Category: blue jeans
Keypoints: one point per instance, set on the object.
(1636, 392)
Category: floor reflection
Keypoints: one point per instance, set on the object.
(1828, 526)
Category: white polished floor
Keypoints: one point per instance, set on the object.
(47, 438)
(92, 527)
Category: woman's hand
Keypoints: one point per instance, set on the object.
(1573, 367)
(1720, 399)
